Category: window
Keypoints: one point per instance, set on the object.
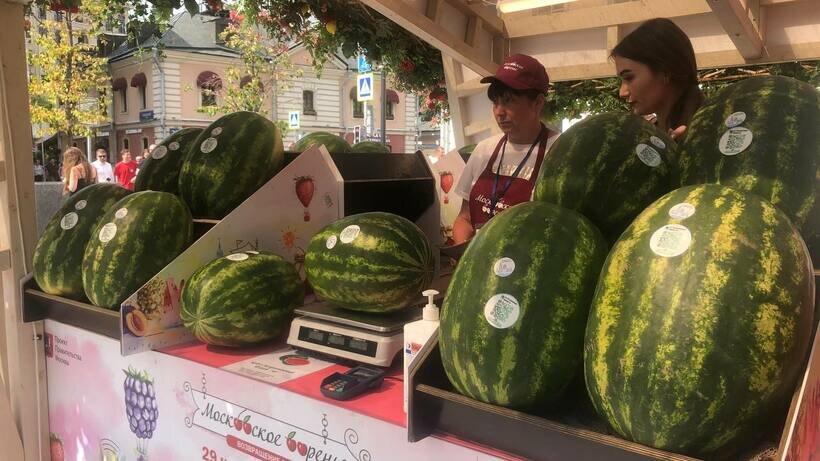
(307, 103)
(144, 142)
(207, 97)
(141, 89)
(83, 39)
(124, 100)
(125, 144)
(41, 12)
(388, 111)
(209, 84)
(358, 109)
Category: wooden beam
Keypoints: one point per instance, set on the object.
(470, 88)
(433, 9)
(453, 76)
(525, 23)
(501, 48)
(492, 23)
(473, 26)
(436, 35)
(613, 36)
(741, 20)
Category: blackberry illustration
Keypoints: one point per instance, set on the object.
(140, 406)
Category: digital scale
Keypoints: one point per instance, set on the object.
(376, 339)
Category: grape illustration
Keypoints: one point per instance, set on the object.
(140, 407)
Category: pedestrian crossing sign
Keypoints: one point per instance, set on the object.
(293, 118)
(364, 87)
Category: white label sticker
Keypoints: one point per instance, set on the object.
(648, 155)
(173, 146)
(216, 131)
(502, 310)
(159, 152)
(735, 119)
(682, 211)
(121, 213)
(670, 240)
(252, 252)
(330, 242)
(69, 220)
(735, 140)
(504, 267)
(349, 233)
(108, 232)
(208, 145)
(237, 256)
(80, 205)
(658, 142)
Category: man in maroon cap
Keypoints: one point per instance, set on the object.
(502, 169)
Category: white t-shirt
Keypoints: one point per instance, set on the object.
(105, 172)
(513, 155)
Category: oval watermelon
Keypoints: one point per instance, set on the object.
(761, 135)
(160, 171)
(701, 321)
(369, 147)
(136, 238)
(513, 320)
(241, 299)
(608, 167)
(467, 150)
(373, 262)
(60, 250)
(228, 162)
(334, 144)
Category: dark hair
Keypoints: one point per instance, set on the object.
(498, 90)
(664, 47)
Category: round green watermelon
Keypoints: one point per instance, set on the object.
(60, 250)
(241, 299)
(160, 171)
(228, 162)
(373, 262)
(135, 239)
(369, 147)
(467, 150)
(608, 167)
(701, 322)
(761, 135)
(513, 321)
(334, 144)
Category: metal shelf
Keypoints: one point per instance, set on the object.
(40, 306)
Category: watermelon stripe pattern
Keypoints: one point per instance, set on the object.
(160, 171)
(371, 262)
(136, 238)
(334, 144)
(241, 299)
(60, 250)
(228, 162)
(700, 322)
(556, 255)
(373, 147)
(780, 164)
(608, 167)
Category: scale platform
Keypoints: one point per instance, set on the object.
(375, 339)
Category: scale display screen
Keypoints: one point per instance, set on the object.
(337, 341)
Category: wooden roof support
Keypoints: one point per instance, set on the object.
(492, 22)
(741, 19)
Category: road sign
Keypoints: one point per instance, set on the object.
(364, 87)
(293, 119)
(363, 64)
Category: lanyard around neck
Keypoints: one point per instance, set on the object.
(494, 199)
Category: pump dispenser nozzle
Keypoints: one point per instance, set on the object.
(430, 311)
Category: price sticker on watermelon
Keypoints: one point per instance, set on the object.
(502, 310)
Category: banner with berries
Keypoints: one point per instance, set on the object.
(157, 406)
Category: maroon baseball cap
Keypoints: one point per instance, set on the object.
(521, 72)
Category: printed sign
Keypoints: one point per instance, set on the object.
(293, 119)
(364, 87)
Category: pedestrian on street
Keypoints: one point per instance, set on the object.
(77, 172)
(105, 171)
(126, 170)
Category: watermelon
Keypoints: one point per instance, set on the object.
(369, 147)
(136, 238)
(608, 167)
(160, 171)
(512, 323)
(701, 321)
(241, 299)
(373, 262)
(780, 119)
(60, 250)
(334, 144)
(228, 162)
(467, 150)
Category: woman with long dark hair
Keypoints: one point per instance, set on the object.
(658, 72)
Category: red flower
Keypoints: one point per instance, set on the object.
(407, 65)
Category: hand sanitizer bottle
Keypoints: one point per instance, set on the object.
(416, 335)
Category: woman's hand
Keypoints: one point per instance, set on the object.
(677, 133)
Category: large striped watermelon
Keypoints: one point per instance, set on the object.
(513, 320)
(59, 253)
(369, 147)
(762, 135)
(228, 162)
(136, 238)
(160, 171)
(701, 321)
(241, 299)
(334, 144)
(608, 167)
(374, 262)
